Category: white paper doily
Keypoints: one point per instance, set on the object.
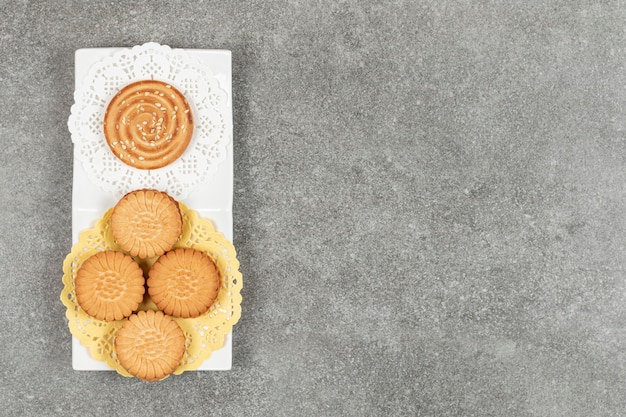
(209, 104)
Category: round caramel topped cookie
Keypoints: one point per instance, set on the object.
(146, 223)
(150, 345)
(109, 285)
(184, 283)
(148, 124)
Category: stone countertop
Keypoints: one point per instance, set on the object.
(428, 207)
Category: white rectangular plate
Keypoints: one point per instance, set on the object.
(212, 200)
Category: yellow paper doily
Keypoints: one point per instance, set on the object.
(204, 334)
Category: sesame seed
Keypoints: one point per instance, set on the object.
(141, 158)
(147, 93)
(168, 86)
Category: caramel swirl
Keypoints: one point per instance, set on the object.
(148, 124)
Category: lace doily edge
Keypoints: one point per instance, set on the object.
(72, 121)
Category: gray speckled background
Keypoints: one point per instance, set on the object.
(429, 207)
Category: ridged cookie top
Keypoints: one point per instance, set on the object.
(184, 283)
(150, 345)
(109, 285)
(148, 124)
(146, 223)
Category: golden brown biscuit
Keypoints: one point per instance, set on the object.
(184, 283)
(146, 223)
(148, 124)
(150, 345)
(109, 285)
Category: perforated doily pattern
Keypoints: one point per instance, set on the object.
(204, 334)
(209, 103)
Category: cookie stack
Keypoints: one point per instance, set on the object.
(182, 282)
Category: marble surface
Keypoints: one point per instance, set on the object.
(428, 210)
